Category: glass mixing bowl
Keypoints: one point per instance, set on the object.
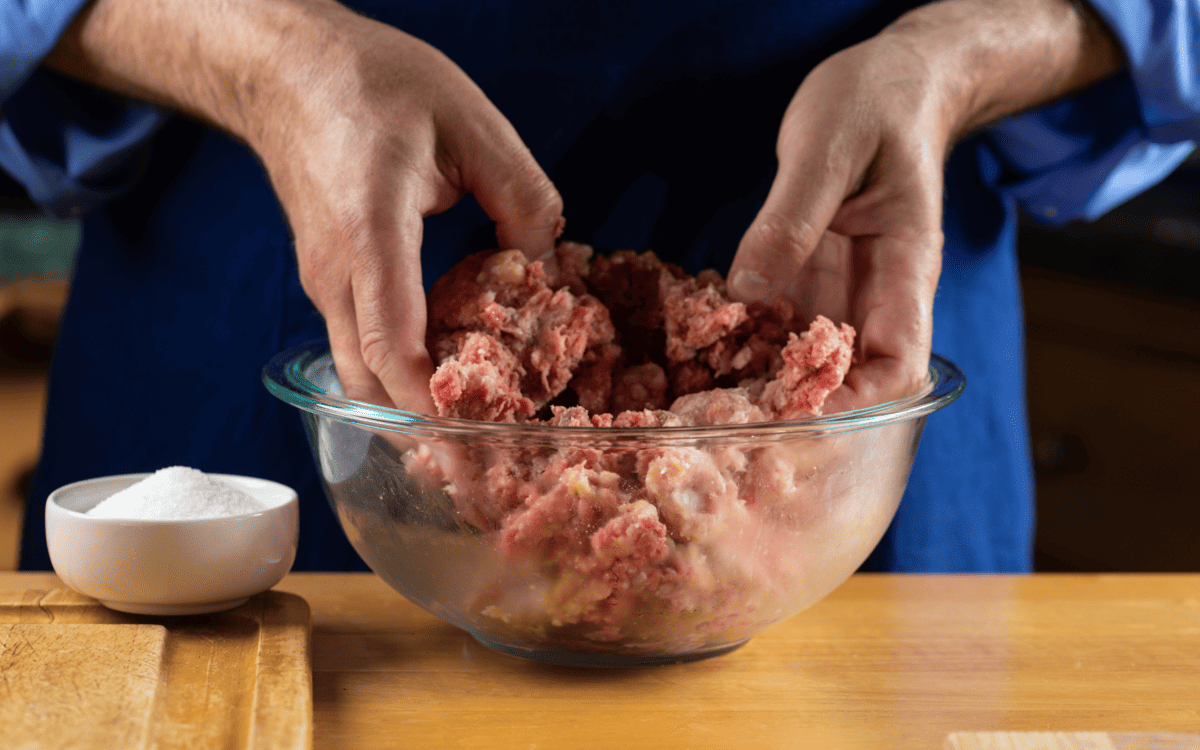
(601, 546)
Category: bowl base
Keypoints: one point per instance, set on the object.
(566, 658)
(142, 608)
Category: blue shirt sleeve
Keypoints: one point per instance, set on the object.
(70, 145)
(1079, 157)
(28, 31)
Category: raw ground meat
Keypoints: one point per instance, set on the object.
(657, 547)
(508, 338)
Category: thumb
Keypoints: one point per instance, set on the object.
(786, 231)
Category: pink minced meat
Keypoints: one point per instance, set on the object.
(484, 380)
(547, 332)
(687, 336)
(631, 545)
(814, 363)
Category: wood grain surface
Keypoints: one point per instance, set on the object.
(74, 674)
(883, 663)
(59, 679)
(1072, 741)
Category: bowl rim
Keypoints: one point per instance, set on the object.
(286, 376)
(54, 505)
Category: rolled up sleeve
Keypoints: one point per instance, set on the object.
(70, 145)
(1080, 157)
(1161, 40)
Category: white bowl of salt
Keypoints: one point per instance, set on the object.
(176, 542)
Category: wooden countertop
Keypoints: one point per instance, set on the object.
(884, 662)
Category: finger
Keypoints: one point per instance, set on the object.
(822, 285)
(512, 189)
(898, 255)
(389, 301)
(902, 199)
(816, 172)
(327, 284)
(357, 380)
(896, 225)
(893, 312)
(780, 240)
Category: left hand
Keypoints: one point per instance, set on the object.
(851, 228)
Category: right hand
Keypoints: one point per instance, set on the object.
(374, 133)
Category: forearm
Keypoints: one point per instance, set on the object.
(227, 62)
(1003, 56)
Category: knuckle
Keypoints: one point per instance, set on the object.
(531, 195)
(349, 231)
(324, 263)
(318, 275)
(377, 352)
(357, 242)
(790, 238)
(834, 167)
(310, 268)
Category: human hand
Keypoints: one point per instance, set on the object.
(393, 132)
(851, 228)
(363, 130)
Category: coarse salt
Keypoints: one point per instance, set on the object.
(178, 493)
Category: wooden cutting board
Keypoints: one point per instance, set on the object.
(74, 674)
(1072, 741)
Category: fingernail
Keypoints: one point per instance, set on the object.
(749, 286)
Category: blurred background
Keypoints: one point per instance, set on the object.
(1113, 321)
(36, 253)
(1113, 341)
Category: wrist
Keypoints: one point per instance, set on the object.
(998, 58)
(308, 57)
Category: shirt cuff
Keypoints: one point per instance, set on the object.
(1079, 157)
(1161, 39)
(28, 31)
(71, 146)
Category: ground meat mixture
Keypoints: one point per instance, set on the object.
(639, 546)
(620, 333)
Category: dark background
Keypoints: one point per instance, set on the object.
(1113, 326)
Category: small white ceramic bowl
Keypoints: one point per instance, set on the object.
(171, 567)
